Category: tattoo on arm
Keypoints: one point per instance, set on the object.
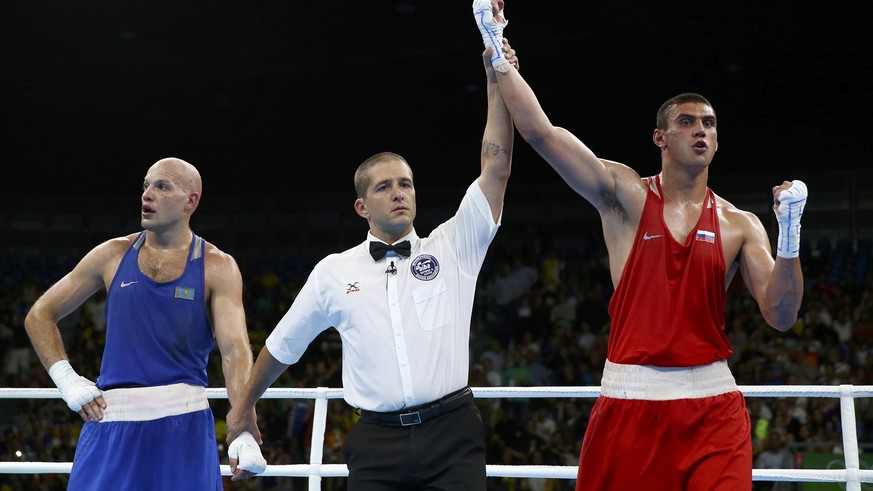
(610, 201)
(492, 149)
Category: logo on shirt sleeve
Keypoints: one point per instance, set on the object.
(184, 292)
(425, 267)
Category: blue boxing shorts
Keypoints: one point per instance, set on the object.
(151, 438)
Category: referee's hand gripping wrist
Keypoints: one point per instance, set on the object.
(245, 457)
(491, 27)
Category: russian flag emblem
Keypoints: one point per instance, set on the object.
(705, 236)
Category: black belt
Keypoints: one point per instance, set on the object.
(420, 414)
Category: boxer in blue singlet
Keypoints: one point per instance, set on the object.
(171, 297)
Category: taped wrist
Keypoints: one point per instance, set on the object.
(788, 213)
(492, 33)
(75, 389)
(246, 450)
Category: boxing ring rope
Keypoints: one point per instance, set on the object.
(852, 475)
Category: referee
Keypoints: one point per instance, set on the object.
(402, 306)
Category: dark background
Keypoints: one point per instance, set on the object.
(276, 97)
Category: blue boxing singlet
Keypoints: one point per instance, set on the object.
(156, 333)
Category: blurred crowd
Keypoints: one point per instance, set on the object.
(540, 319)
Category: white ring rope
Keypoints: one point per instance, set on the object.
(835, 391)
(852, 476)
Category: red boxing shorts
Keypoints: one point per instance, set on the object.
(667, 429)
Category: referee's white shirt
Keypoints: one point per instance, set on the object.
(405, 336)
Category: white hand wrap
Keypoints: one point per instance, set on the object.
(492, 33)
(246, 450)
(75, 389)
(788, 213)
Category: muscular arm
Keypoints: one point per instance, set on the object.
(242, 416)
(93, 272)
(589, 176)
(615, 190)
(776, 285)
(497, 140)
(224, 282)
(228, 316)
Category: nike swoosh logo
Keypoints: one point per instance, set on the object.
(646, 236)
(124, 284)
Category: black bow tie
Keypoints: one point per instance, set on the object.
(379, 249)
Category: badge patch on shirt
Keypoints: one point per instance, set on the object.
(184, 292)
(425, 267)
(705, 236)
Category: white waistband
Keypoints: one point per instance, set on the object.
(148, 403)
(663, 384)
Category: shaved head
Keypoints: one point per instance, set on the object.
(182, 173)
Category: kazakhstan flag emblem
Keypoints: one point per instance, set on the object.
(184, 292)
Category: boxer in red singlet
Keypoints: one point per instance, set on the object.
(670, 416)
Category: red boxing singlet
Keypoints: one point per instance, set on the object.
(668, 307)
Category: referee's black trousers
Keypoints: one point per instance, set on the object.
(446, 453)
